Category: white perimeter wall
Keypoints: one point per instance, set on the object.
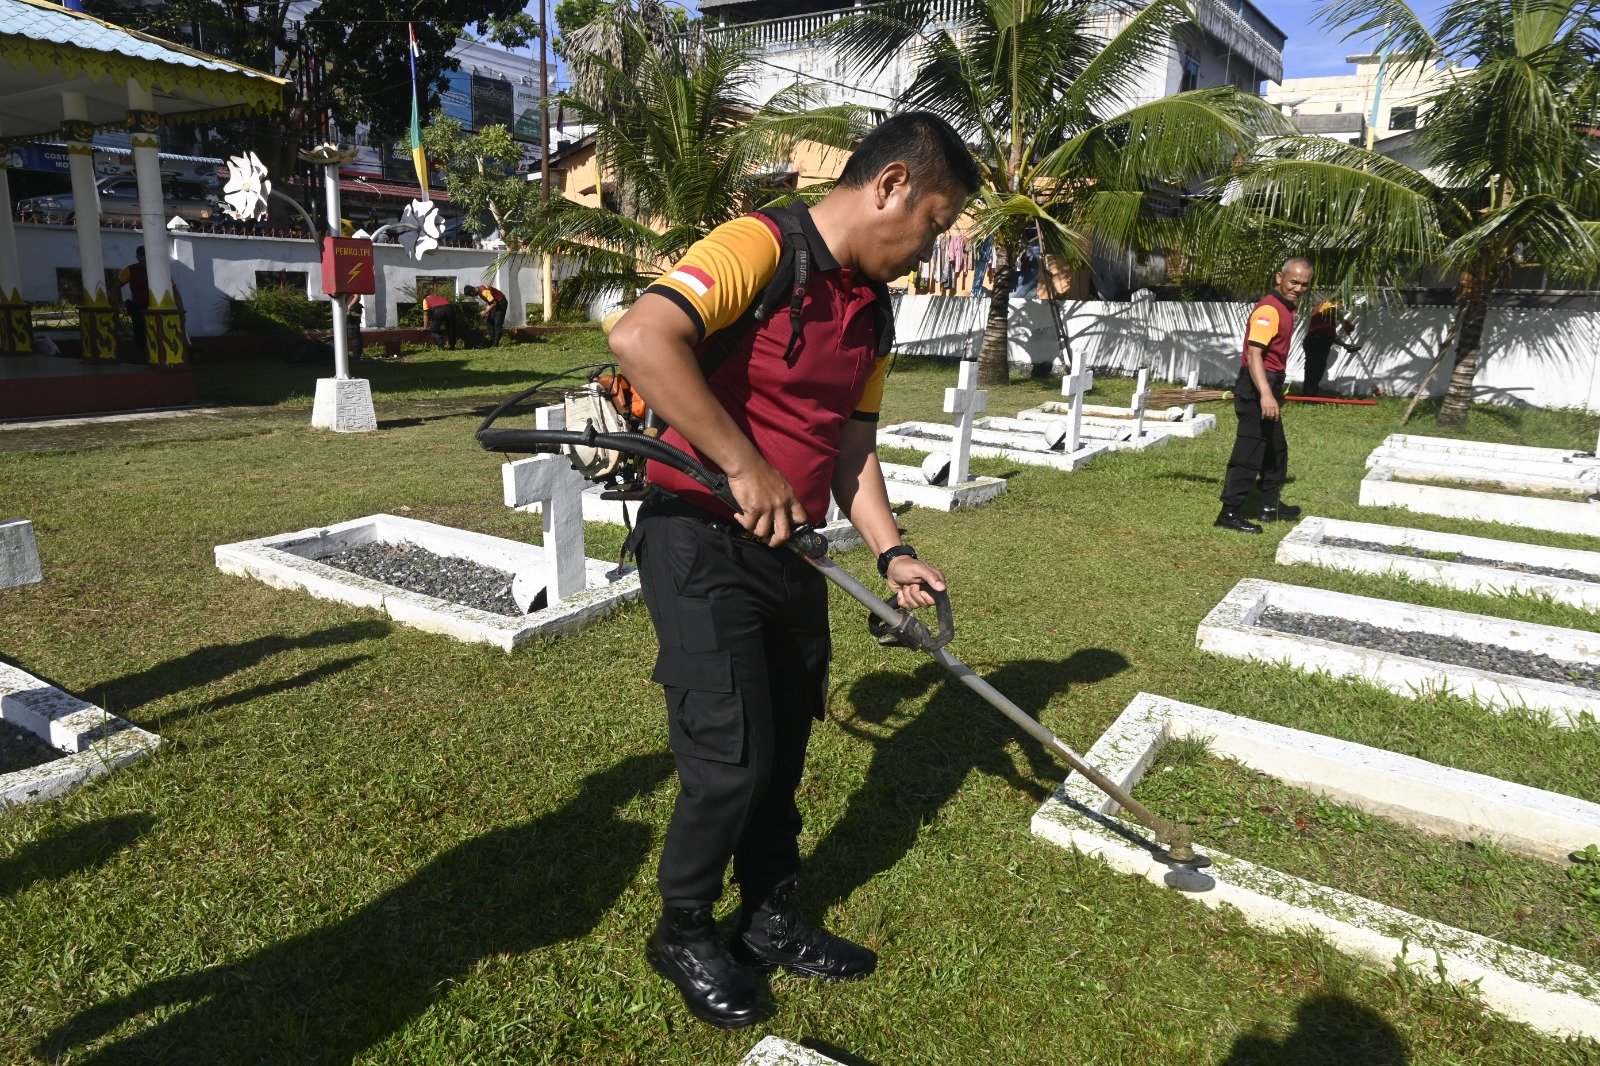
(1540, 357)
(211, 268)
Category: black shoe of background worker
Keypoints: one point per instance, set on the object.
(1230, 518)
(685, 950)
(770, 933)
(1279, 512)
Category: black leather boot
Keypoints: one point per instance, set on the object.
(770, 933)
(1279, 512)
(1230, 518)
(685, 950)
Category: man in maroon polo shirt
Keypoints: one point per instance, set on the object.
(1260, 452)
(743, 621)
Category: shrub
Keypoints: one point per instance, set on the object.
(278, 310)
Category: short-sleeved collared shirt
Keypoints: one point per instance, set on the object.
(792, 407)
(1271, 328)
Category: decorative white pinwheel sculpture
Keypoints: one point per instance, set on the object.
(422, 228)
(248, 187)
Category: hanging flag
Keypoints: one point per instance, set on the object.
(419, 158)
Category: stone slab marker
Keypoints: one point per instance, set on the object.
(1141, 391)
(550, 481)
(19, 554)
(966, 401)
(1192, 383)
(776, 1051)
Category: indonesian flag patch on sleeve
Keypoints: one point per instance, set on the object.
(695, 279)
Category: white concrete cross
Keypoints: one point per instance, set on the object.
(550, 481)
(1141, 392)
(1192, 384)
(966, 401)
(1073, 386)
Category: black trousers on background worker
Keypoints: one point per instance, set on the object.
(1260, 452)
(744, 657)
(442, 323)
(496, 321)
(1316, 346)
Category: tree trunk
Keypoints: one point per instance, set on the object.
(994, 367)
(1473, 310)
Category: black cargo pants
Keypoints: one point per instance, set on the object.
(1259, 448)
(744, 657)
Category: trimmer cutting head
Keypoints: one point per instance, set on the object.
(1180, 853)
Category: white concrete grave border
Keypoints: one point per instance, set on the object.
(937, 437)
(1124, 437)
(1380, 489)
(776, 1051)
(907, 484)
(1305, 544)
(1548, 994)
(92, 741)
(1231, 629)
(1509, 465)
(289, 560)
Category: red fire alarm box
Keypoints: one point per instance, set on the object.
(347, 266)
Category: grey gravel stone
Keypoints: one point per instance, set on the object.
(1458, 557)
(415, 569)
(1453, 650)
(21, 749)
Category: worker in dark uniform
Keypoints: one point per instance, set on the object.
(494, 310)
(790, 417)
(136, 279)
(1322, 333)
(1260, 452)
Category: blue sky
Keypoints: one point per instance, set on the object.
(1313, 51)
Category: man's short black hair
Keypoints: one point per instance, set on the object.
(929, 147)
(139, 251)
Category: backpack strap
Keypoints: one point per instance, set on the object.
(786, 286)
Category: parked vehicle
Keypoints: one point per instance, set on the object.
(119, 198)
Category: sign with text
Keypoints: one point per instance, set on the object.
(347, 266)
(491, 102)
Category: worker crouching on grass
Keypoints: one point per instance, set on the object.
(789, 413)
(1260, 452)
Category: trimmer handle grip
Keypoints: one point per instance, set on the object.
(910, 631)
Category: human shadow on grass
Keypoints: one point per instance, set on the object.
(1329, 1031)
(212, 663)
(70, 850)
(329, 994)
(918, 767)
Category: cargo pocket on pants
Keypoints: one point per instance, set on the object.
(705, 714)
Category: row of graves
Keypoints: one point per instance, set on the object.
(1503, 665)
(481, 588)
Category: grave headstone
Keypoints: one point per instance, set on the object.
(966, 401)
(19, 554)
(551, 481)
(1192, 383)
(1141, 392)
(1073, 387)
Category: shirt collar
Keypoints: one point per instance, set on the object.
(821, 255)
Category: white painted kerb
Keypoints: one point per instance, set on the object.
(775, 1051)
(1548, 994)
(1230, 629)
(1306, 544)
(1380, 489)
(289, 560)
(94, 742)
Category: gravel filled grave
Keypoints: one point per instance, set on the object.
(1458, 557)
(1453, 650)
(21, 749)
(415, 569)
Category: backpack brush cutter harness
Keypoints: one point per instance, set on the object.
(891, 624)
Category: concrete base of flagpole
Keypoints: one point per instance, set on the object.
(344, 405)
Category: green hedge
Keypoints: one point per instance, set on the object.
(276, 310)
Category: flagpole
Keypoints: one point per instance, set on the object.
(419, 158)
(546, 287)
(1377, 90)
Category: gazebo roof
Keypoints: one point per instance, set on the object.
(46, 50)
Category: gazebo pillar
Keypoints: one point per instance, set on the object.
(16, 319)
(96, 324)
(165, 342)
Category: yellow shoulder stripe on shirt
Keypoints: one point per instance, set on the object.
(1263, 325)
(722, 273)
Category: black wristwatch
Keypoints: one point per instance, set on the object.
(891, 554)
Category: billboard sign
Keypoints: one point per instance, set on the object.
(491, 102)
(525, 103)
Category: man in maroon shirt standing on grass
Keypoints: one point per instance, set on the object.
(1260, 452)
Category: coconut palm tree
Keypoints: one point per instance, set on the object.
(1512, 167)
(1044, 90)
(683, 147)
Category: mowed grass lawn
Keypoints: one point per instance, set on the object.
(366, 843)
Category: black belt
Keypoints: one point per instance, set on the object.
(670, 505)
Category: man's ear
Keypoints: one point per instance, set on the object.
(892, 179)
